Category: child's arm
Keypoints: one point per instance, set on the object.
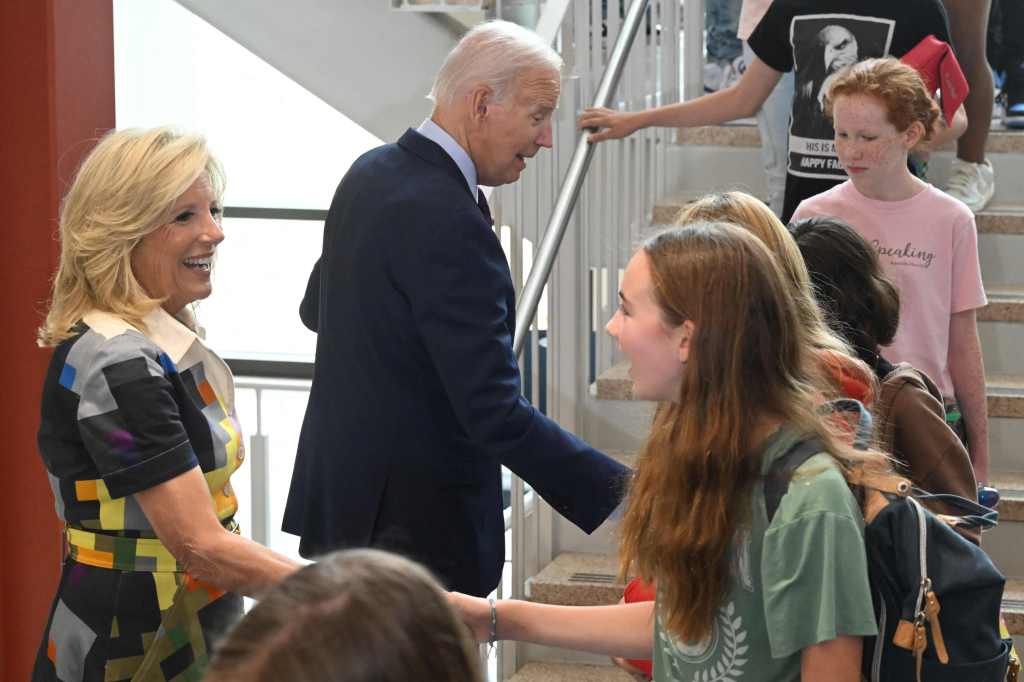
(967, 369)
(619, 630)
(739, 101)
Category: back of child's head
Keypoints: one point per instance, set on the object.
(752, 214)
(354, 616)
(898, 87)
(859, 301)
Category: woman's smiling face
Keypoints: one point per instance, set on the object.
(656, 352)
(174, 261)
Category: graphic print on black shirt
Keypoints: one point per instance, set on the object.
(823, 45)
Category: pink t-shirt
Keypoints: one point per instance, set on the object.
(928, 247)
(751, 14)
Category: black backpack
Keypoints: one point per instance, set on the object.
(936, 595)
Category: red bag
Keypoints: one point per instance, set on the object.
(940, 70)
(638, 590)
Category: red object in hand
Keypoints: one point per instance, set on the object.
(940, 70)
(638, 590)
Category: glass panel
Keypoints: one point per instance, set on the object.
(241, 480)
(259, 280)
(281, 146)
(282, 419)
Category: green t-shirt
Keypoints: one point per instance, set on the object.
(800, 581)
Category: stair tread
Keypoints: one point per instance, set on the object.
(586, 579)
(1010, 483)
(996, 219)
(738, 135)
(570, 672)
(1006, 383)
(580, 592)
(1005, 392)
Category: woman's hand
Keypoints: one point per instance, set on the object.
(611, 125)
(181, 513)
(475, 612)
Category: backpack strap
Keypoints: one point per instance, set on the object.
(971, 514)
(776, 481)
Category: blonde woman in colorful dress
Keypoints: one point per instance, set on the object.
(138, 431)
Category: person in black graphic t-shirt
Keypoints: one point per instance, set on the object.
(814, 38)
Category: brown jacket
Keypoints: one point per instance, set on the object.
(911, 425)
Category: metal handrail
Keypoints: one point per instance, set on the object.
(693, 45)
(567, 196)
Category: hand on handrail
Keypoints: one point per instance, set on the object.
(608, 124)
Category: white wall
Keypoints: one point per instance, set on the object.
(366, 60)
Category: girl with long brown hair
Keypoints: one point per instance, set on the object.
(710, 328)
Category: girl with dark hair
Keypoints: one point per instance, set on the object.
(863, 305)
(927, 241)
(709, 326)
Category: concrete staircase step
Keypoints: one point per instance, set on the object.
(575, 579)
(999, 141)
(614, 383)
(1005, 219)
(1006, 396)
(1001, 219)
(1005, 393)
(1011, 496)
(570, 672)
(1005, 304)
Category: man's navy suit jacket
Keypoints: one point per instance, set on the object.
(416, 399)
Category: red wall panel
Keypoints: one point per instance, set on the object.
(57, 85)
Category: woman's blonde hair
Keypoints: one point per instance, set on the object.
(747, 367)
(833, 356)
(125, 189)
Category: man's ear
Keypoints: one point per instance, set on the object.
(685, 340)
(480, 98)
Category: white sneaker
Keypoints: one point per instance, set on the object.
(715, 73)
(733, 72)
(972, 183)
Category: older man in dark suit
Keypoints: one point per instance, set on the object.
(416, 399)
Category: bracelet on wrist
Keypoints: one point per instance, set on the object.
(493, 638)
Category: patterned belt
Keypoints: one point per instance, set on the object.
(125, 554)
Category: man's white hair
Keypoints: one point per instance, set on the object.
(494, 54)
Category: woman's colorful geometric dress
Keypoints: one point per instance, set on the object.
(125, 410)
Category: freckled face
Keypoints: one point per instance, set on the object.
(656, 352)
(869, 145)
